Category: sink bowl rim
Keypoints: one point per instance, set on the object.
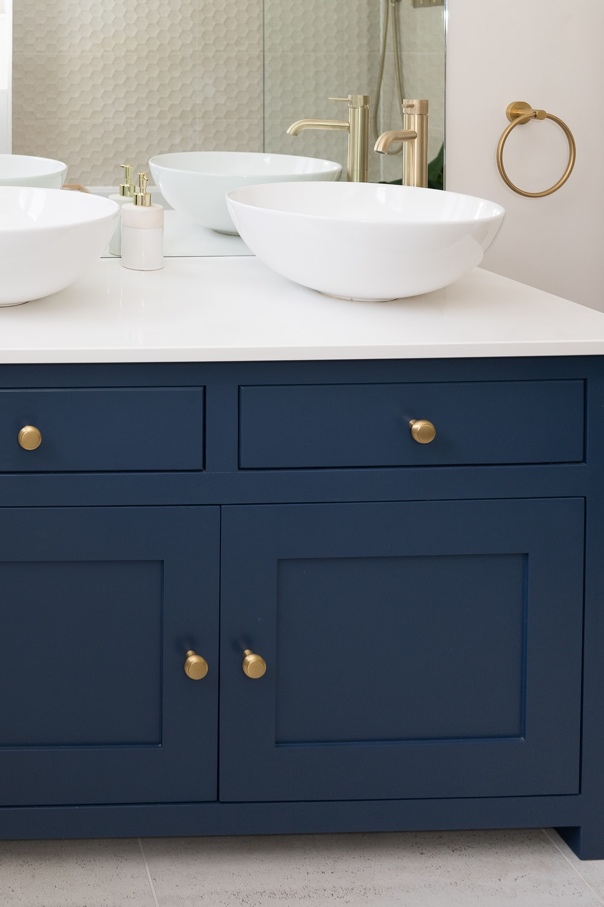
(239, 159)
(87, 207)
(494, 211)
(55, 167)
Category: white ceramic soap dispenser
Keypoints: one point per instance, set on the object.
(142, 231)
(123, 197)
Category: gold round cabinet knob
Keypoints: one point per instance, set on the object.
(29, 437)
(422, 431)
(253, 666)
(196, 667)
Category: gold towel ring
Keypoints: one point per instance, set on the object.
(519, 113)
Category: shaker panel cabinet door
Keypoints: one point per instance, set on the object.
(98, 609)
(419, 649)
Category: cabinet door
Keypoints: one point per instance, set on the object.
(419, 649)
(98, 607)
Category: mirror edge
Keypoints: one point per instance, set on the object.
(6, 70)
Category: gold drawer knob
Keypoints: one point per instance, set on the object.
(254, 666)
(29, 437)
(422, 431)
(196, 667)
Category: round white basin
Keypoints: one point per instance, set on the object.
(25, 170)
(48, 237)
(195, 183)
(365, 241)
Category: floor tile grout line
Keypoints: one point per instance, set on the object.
(572, 865)
(144, 856)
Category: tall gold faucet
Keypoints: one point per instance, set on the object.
(414, 135)
(357, 127)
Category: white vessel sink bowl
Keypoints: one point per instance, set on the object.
(365, 240)
(48, 237)
(195, 183)
(24, 170)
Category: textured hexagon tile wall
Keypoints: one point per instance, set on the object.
(99, 84)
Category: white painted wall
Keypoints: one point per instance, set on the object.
(549, 53)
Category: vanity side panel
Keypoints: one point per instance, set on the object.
(587, 839)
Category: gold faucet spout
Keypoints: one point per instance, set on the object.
(300, 125)
(393, 137)
(414, 136)
(357, 127)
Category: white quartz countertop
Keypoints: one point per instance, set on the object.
(229, 309)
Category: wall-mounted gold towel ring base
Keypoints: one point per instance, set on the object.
(519, 113)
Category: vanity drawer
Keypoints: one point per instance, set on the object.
(485, 422)
(103, 429)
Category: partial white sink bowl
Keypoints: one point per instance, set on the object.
(48, 237)
(25, 170)
(195, 183)
(365, 241)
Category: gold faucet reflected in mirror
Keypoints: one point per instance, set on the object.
(414, 136)
(357, 127)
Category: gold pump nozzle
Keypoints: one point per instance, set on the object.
(127, 187)
(142, 198)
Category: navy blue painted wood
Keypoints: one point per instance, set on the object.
(275, 486)
(54, 553)
(314, 426)
(587, 836)
(149, 820)
(414, 650)
(104, 429)
(98, 607)
(194, 374)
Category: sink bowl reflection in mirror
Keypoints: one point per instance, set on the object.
(195, 183)
(48, 237)
(365, 241)
(25, 170)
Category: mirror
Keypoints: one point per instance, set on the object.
(100, 84)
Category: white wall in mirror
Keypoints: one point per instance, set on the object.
(5, 75)
(97, 84)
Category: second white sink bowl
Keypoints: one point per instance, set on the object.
(48, 237)
(195, 183)
(27, 170)
(365, 241)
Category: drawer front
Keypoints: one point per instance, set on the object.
(103, 429)
(365, 425)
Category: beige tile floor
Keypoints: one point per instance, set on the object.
(531, 868)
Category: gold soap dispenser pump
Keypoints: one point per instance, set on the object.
(142, 231)
(124, 195)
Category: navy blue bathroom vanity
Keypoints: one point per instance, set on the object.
(430, 615)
